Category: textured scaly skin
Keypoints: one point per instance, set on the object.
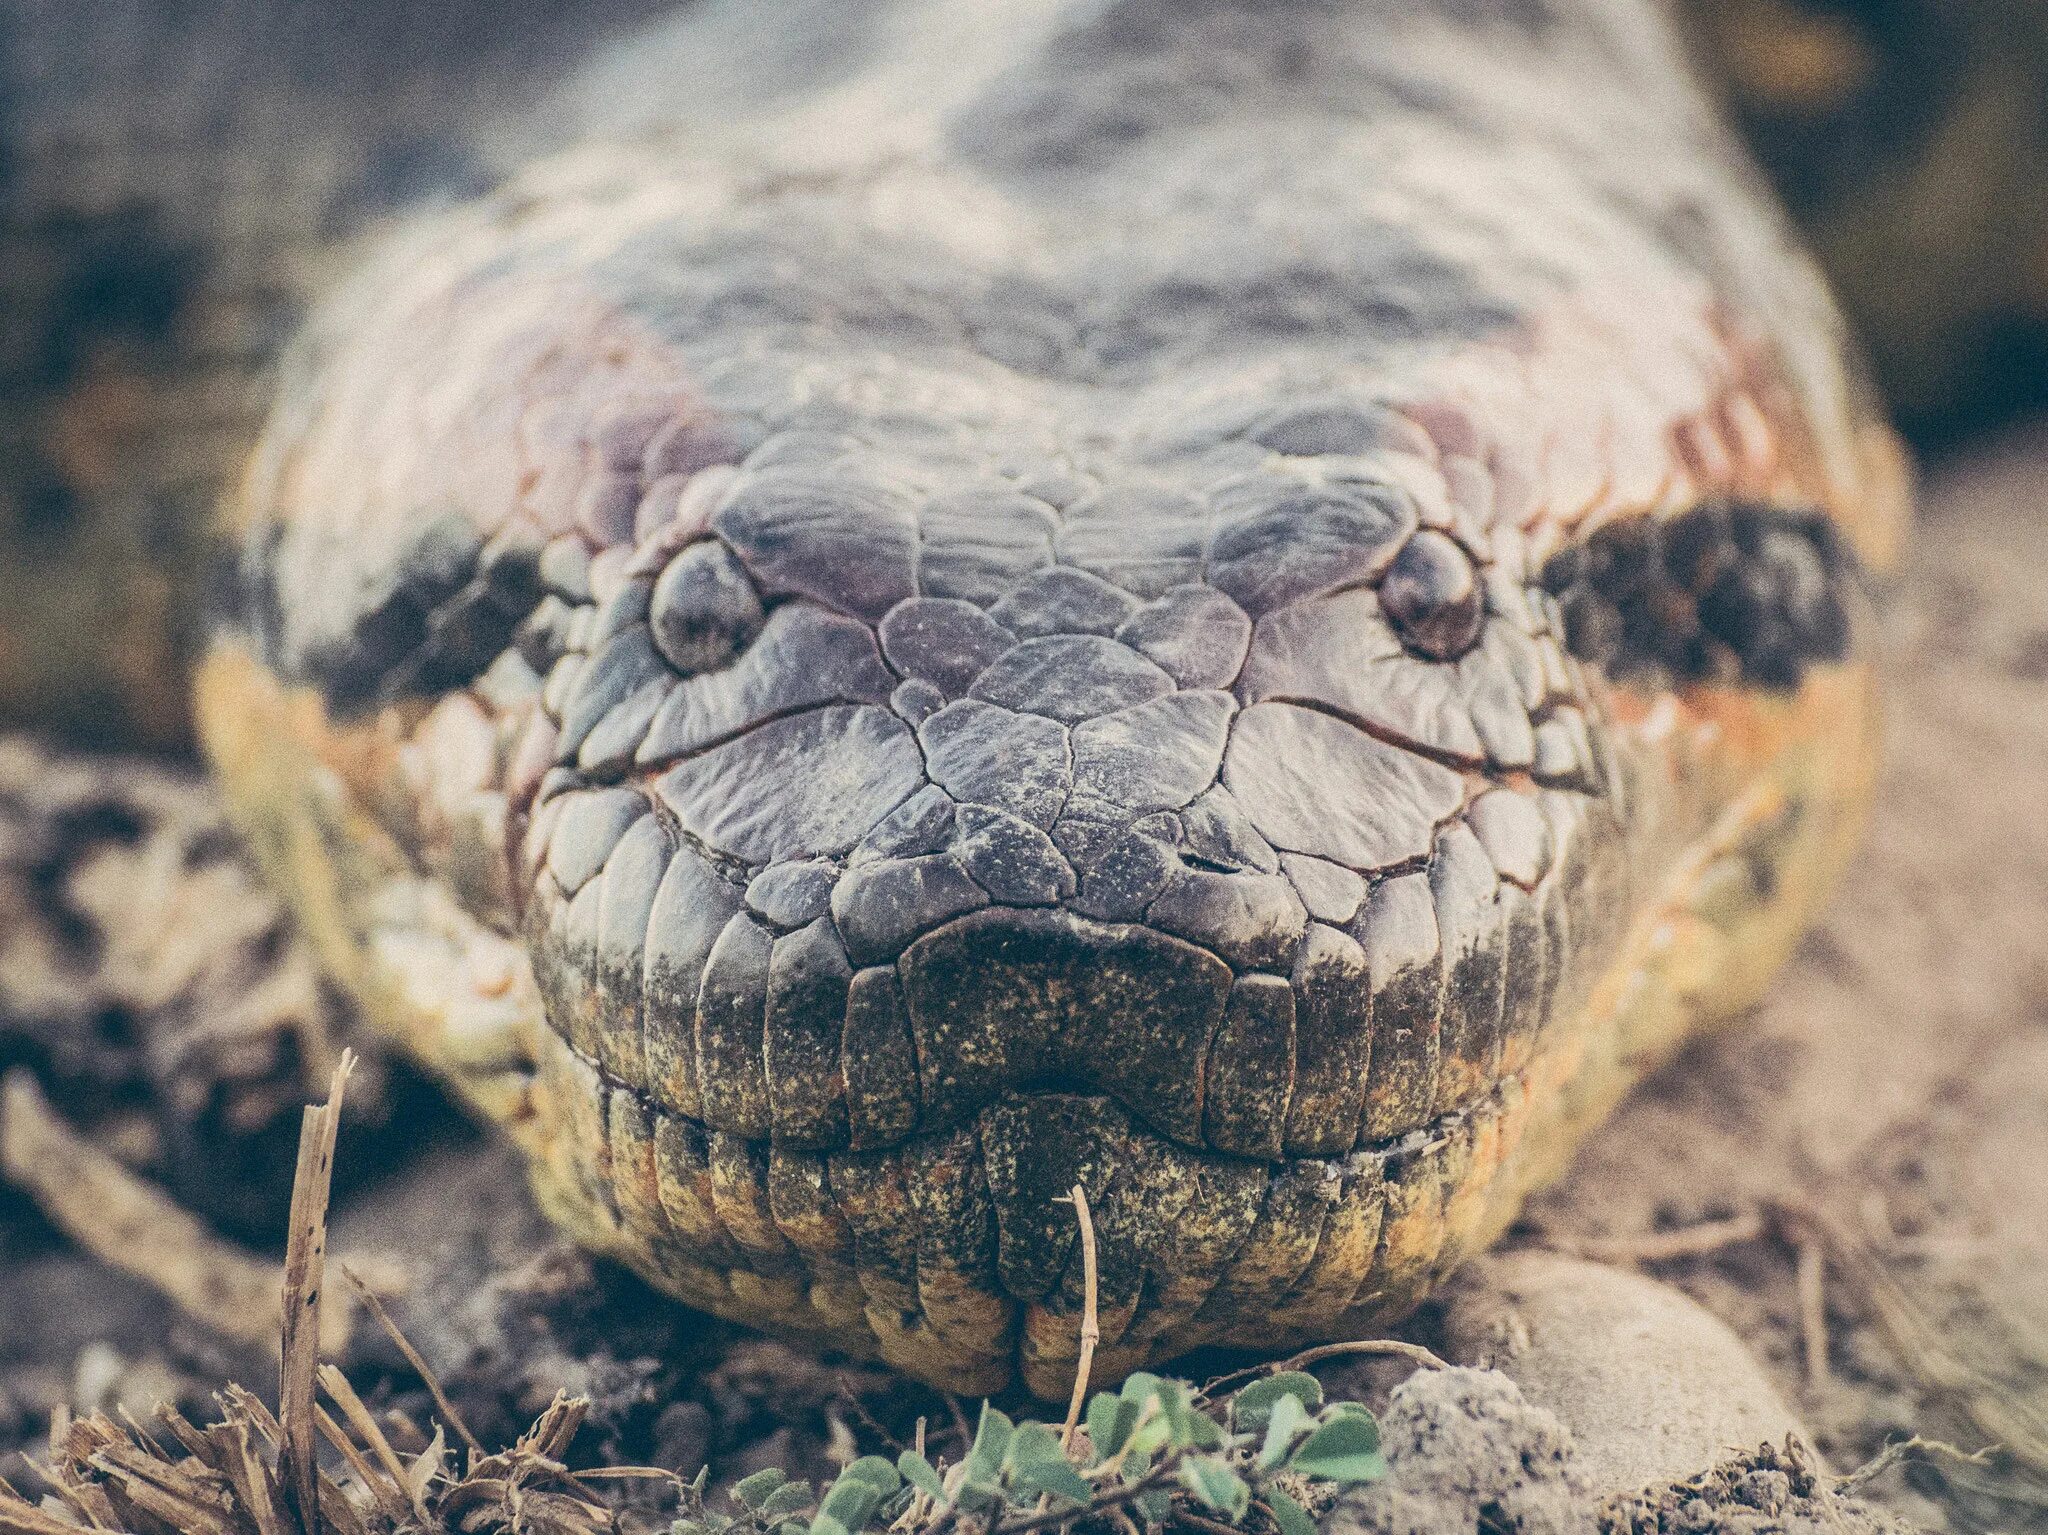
(1248, 606)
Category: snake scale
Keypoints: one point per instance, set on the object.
(1252, 606)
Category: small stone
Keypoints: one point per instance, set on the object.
(1652, 1385)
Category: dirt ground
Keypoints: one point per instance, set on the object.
(1896, 1081)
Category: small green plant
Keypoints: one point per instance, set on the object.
(1153, 1454)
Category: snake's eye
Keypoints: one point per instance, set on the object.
(1432, 595)
(704, 610)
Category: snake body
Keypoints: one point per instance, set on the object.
(1251, 607)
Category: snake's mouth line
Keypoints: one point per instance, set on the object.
(1384, 1155)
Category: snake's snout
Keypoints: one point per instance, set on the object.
(826, 866)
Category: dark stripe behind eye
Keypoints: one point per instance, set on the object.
(450, 610)
(1726, 592)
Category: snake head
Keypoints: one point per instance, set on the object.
(839, 719)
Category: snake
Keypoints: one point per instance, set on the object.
(982, 667)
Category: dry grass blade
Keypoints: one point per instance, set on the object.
(1091, 1324)
(396, 1484)
(2016, 1425)
(252, 1473)
(412, 1357)
(305, 1262)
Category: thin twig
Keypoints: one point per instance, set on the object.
(1091, 1326)
(1996, 1412)
(412, 1357)
(1901, 1449)
(1389, 1348)
(1811, 1278)
(1152, 1481)
(1697, 1241)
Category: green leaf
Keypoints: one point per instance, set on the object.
(1148, 1437)
(793, 1527)
(921, 1474)
(1139, 1385)
(1283, 1427)
(1292, 1518)
(851, 1501)
(790, 1498)
(1344, 1448)
(991, 1439)
(1033, 1444)
(1252, 1408)
(1110, 1417)
(1215, 1484)
(1037, 1463)
(826, 1524)
(1188, 1427)
(978, 1494)
(1154, 1506)
(753, 1491)
(876, 1472)
(1055, 1477)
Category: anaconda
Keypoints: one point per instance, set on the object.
(1249, 607)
